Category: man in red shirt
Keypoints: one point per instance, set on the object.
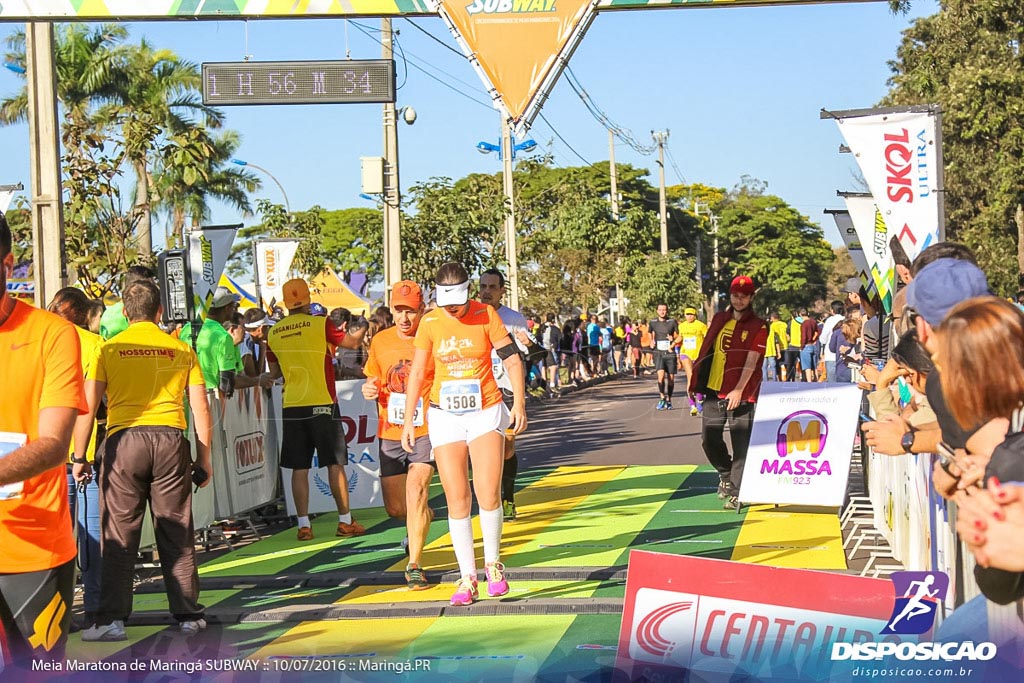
(728, 372)
(809, 333)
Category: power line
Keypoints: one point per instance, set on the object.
(564, 142)
(433, 37)
(621, 133)
(366, 32)
(675, 166)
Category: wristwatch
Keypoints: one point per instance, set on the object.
(908, 440)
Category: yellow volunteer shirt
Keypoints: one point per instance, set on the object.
(718, 360)
(299, 346)
(777, 330)
(147, 372)
(794, 333)
(90, 343)
(691, 336)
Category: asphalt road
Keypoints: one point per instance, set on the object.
(614, 423)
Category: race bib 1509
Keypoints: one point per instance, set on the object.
(396, 411)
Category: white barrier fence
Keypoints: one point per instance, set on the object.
(246, 452)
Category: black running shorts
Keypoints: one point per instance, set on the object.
(394, 460)
(313, 428)
(665, 360)
(35, 612)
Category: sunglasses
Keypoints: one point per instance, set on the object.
(912, 316)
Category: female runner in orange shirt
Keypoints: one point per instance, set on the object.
(467, 419)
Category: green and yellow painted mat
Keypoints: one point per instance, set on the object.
(334, 608)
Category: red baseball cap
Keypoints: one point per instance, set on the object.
(742, 284)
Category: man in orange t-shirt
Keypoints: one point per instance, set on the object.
(40, 363)
(404, 477)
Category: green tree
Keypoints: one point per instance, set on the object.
(653, 279)
(351, 241)
(968, 59)
(786, 254)
(276, 222)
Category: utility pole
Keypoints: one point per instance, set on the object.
(44, 156)
(510, 217)
(392, 191)
(613, 174)
(661, 137)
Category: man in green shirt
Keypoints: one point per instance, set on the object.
(113, 321)
(219, 358)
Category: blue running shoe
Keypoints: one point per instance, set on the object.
(661, 405)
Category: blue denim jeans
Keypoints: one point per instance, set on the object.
(830, 371)
(85, 510)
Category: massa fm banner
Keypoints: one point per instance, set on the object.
(12, 10)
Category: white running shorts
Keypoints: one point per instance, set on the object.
(446, 428)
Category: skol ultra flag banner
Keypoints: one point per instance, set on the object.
(273, 261)
(898, 155)
(874, 240)
(208, 251)
(518, 47)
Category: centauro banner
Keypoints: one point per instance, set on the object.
(874, 240)
(518, 47)
(898, 154)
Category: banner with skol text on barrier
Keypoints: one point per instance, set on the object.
(273, 261)
(898, 153)
(801, 444)
(208, 251)
(359, 424)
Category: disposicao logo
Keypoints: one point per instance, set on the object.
(513, 6)
(917, 601)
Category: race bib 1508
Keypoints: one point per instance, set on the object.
(461, 396)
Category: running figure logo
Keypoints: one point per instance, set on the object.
(917, 599)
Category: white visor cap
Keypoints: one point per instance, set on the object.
(453, 295)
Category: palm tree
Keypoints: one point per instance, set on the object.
(217, 180)
(161, 98)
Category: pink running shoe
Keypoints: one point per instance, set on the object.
(496, 583)
(466, 592)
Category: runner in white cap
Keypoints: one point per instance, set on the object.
(467, 419)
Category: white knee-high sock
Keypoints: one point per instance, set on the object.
(490, 524)
(462, 541)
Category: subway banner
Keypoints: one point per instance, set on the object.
(874, 239)
(208, 251)
(898, 153)
(801, 444)
(518, 47)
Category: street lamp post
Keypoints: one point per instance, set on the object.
(507, 153)
(241, 162)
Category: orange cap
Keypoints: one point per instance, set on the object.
(406, 293)
(296, 294)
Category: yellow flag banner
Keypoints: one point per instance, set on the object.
(519, 47)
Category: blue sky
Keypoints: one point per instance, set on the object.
(739, 88)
